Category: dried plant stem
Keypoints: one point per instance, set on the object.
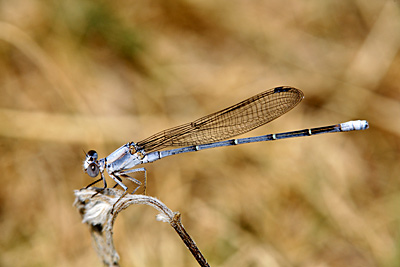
(189, 242)
(100, 212)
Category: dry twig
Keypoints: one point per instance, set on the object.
(99, 214)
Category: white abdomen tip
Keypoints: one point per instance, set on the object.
(354, 125)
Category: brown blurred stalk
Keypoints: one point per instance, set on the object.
(101, 210)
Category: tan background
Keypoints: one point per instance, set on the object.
(78, 75)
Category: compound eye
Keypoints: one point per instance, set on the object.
(92, 170)
(92, 155)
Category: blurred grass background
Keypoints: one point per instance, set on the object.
(81, 74)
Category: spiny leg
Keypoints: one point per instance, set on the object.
(116, 184)
(126, 189)
(101, 189)
(118, 180)
(137, 182)
(95, 182)
(130, 179)
(124, 174)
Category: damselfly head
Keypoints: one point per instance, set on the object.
(93, 170)
(90, 164)
(92, 155)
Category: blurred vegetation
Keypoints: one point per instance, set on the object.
(79, 75)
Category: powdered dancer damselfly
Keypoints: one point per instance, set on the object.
(208, 132)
